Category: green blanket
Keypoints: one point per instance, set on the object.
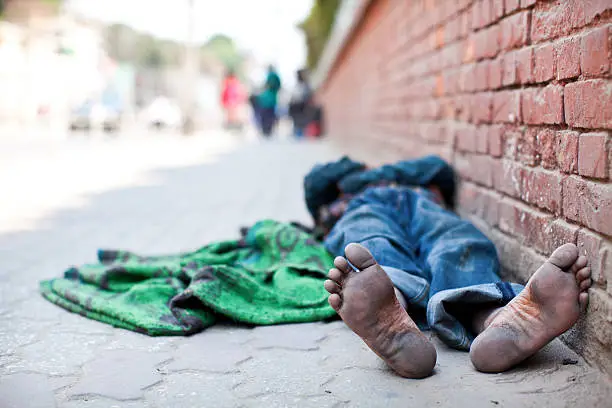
(273, 275)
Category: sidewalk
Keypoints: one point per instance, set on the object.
(185, 194)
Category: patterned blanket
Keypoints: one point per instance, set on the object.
(274, 274)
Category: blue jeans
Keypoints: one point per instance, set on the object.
(443, 265)
(298, 132)
(267, 117)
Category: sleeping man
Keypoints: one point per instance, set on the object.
(406, 262)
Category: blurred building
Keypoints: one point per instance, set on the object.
(49, 60)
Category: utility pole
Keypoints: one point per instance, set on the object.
(191, 73)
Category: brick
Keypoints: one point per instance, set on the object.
(481, 76)
(433, 132)
(495, 141)
(465, 138)
(447, 105)
(598, 251)
(592, 8)
(450, 82)
(476, 20)
(469, 195)
(588, 104)
(497, 9)
(507, 177)
(524, 65)
(567, 52)
(509, 73)
(550, 23)
(465, 26)
(544, 63)
(481, 203)
(481, 107)
(513, 30)
(511, 140)
(592, 155)
(452, 30)
(589, 245)
(469, 51)
(542, 188)
(491, 214)
(495, 73)
(482, 142)
(542, 105)
(485, 43)
(546, 144)
(439, 85)
(439, 37)
(486, 12)
(567, 151)
(595, 330)
(481, 13)
(452, 55)
(463, 105)
(588, 203)
(595, 52)
(466, 163)
(530, 226)
(526, 148)
(506, 217)
(507, 106)
(511, 5)
(560, 233)
(467, 81)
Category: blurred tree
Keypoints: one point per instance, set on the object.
(120, 42)
(223, 48)
(15, 9)
(317, 28)
(126, 45)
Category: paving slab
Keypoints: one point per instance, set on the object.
(206, 190)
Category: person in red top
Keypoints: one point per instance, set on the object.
(232, 98)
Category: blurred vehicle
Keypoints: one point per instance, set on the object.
(163, 113)
(96, 115)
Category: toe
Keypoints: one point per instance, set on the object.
(331, 286)
(342, 264)
(583, 274)
(564, 256)
(583, 300)
(335, 301)
(580, 263)
(585, 284)
(335, 275)
(359, 256)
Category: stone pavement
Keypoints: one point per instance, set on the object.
(168, 195)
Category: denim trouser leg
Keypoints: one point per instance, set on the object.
(374, 225)
(436, 259)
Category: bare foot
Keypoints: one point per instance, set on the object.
(366, 301)
(548, 306)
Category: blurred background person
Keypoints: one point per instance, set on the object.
(232, 100)
(267, 100)
(300, 106)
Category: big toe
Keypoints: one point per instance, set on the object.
(359, 256)
(564, 256)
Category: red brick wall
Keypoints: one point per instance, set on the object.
(517, 95)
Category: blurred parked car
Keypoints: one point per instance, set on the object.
(96, 115)
(163, 113)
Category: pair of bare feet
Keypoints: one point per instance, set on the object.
(548, 306)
